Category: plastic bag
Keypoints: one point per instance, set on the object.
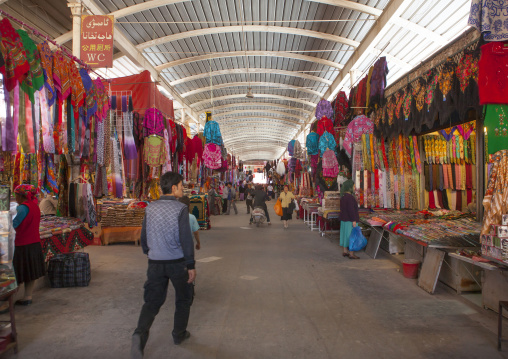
(278, 208)
(297, 208)
(357, 240)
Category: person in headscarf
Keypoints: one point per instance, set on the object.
(28, 258)
(348, 216)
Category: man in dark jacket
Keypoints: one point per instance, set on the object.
(249, 193)
(260, 198)
(167, 240)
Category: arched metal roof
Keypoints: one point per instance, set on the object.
(207, 53)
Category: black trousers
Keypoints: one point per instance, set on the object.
(224, 205)
(249, 205)
(159, 274)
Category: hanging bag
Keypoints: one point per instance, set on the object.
(278, 208)
(357, 240)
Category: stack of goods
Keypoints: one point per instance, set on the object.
(331, 201)
(440, 228)
(124, 216)
(63, 235)
(52, 226)
(495, 243)
(105, 204)
(450, 167)
(199, 208)
(386, 173)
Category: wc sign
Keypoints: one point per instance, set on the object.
(97, 40)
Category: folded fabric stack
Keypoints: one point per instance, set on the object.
(122, 216)
(52, 226)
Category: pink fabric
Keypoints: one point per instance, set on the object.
(330, 164)
(359, 126)
(212, 156)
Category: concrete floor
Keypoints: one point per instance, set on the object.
(261, 293)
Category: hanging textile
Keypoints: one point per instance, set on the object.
(128, 137)
(324, 108)
(212, 133)
(312, 143)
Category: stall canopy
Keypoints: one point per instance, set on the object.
(142, 84)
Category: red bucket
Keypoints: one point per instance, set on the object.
(410, 267)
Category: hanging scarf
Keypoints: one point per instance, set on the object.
(372, 157)
(50, 184)
(128, 137)
(417, 155)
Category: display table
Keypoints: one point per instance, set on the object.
(66, 242)
(328, 216)
(120, 234)
(429, 238)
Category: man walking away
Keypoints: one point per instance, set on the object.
(260, 198)
(166, 238)
(231, 198)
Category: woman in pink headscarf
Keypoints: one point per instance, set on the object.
(28, 258)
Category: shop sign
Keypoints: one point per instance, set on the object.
(97, 40)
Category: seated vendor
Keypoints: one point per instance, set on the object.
(48, 205)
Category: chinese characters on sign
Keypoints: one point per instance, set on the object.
(97, 40)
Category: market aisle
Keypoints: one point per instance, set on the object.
(261, 293)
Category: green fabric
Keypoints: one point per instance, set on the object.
(347, 187)
(35, 79)
(345, 231)
(23, 136)
(496, 121)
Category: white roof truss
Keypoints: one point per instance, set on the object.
(256, 95)
(252, 84)
(219, 55)
(248, 28)
(242, 71)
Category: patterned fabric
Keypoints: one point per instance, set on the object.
(495, 200)
(312, 143)
(324, 108)
(212, 133)
(61, 75)
(326, 141)
(26, 190)
(66, 242)
(291, 147)
(341, 108)
(360, 125)
(199, 208)
(212, 156)
(47, 67)
(77, 89)
(154, 151)
(490, 17)
(35, 77)
(330, 164)
(324, 125)
(153, 122)
(16, 64)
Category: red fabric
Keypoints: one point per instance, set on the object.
(493, 74)
(325, 124)
(28, 230)
(142, 84)
(432, 202)
(440, 198)
(197, 146)
(459, 201)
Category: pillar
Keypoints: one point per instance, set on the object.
(75, 6)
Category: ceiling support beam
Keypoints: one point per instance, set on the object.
(420, 30)
(252, 104)
(280, 121)
(256, 95)
(255, 70)
(251, 84)
(248, 28)
(125, 46)
(219, 55)
(393, 10)
(275, 112)
(347, 4)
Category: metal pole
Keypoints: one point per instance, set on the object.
(480, 166)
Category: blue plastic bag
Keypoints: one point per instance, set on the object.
(357, 240)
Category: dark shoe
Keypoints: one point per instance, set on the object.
(136, 351)
(24, 302)
(179, 341)
(352, 256)
(5, 311)
(345, 254)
